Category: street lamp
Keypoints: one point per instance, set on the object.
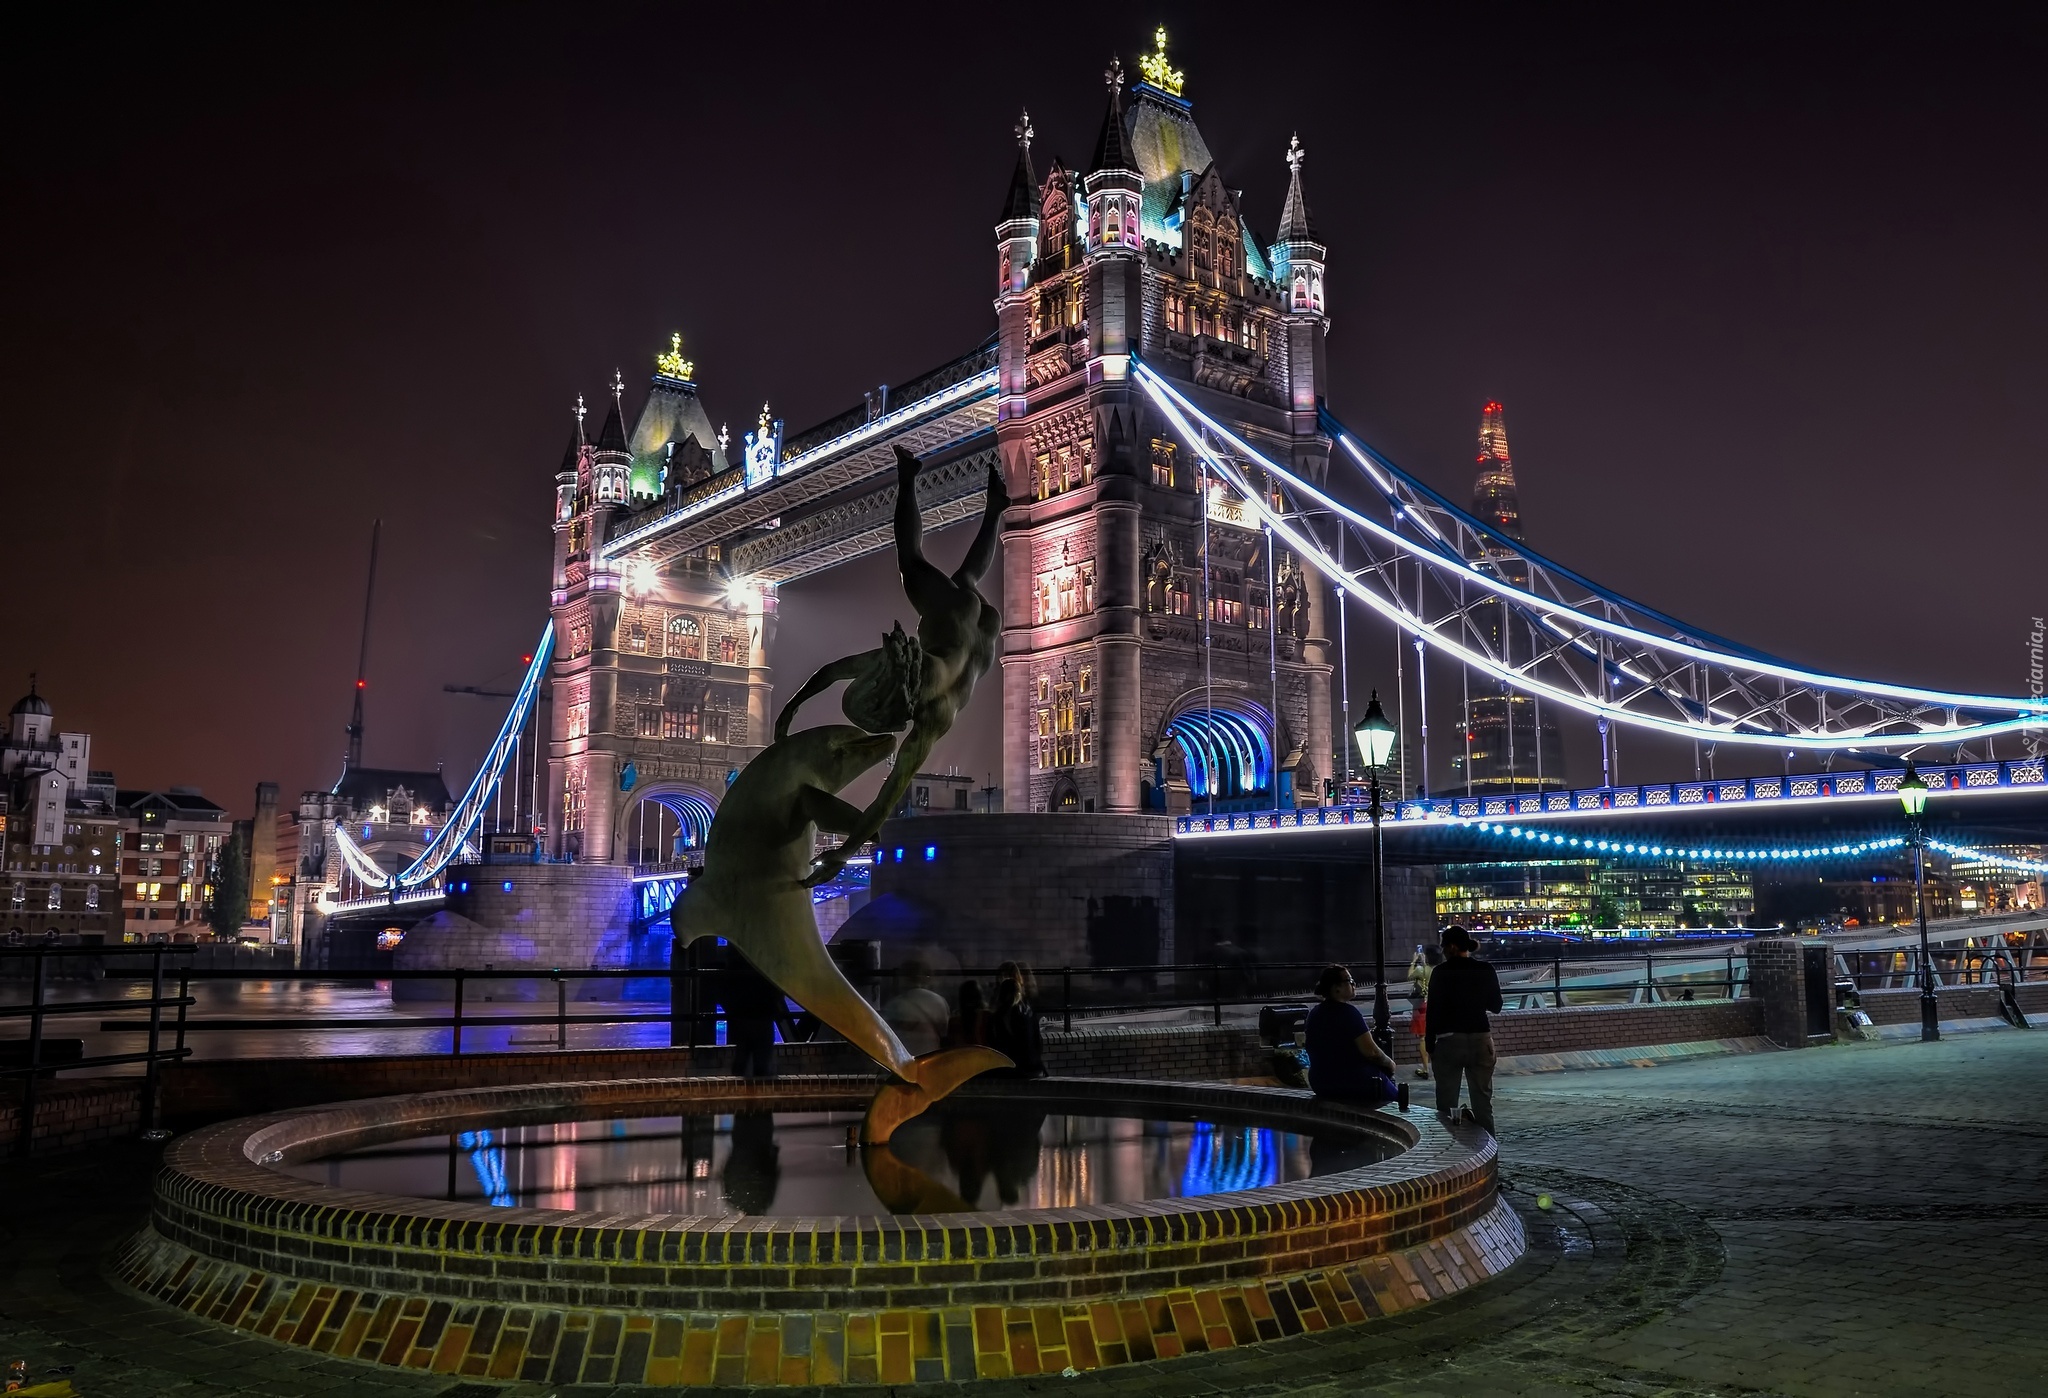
(1913, 796)
(1375, 738)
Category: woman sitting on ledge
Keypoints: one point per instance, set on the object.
(1344, 1063)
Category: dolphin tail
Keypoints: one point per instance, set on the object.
(939, 1073)
(932, 1076)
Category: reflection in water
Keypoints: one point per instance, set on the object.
(1226, 1160)
(972, 1155)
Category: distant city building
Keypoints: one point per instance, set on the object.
(172, 843)
(938, 791)
(1582, 894)
(1512, 742)
(62, 842)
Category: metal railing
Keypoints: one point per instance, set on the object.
(38, 1009)
(1062, 992)
(1900, 967)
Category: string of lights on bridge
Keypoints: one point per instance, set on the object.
(1642, 849)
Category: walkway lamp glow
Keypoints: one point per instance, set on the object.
(1913, 796)
(1375, 738)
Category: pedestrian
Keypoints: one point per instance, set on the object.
(1420, 967)
(971, 1027)
(753, 1007)
(918, 1013)
(1345, 1063)
(1013, 1022)
(1457, 1034)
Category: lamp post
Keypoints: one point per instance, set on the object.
(1913, 796)
(1375, 738)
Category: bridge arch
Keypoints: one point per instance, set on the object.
(686, 810)
(1224, 746)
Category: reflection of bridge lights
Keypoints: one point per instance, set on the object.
(488, 1160)
(1222, 1160)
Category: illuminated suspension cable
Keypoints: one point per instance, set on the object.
(1985, 856)
(1179, 410)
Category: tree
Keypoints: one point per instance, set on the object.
(230, 906)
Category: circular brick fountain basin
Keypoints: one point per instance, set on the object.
(557, 1296)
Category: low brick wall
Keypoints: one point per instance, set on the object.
(1956, 1001)
(558, 1296)
(71, 1113)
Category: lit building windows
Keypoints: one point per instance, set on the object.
(685, 638)
(1176, 313)
(648, 723)
(578, 719)
(685, 723)
(1163, 454)
(1063, 592)
(56, 896)
(92, 895)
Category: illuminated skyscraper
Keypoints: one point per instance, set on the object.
(1513, 742)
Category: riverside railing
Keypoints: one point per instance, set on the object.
(33, 1067)
(693, 1009)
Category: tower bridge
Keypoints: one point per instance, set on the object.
(1195, 534)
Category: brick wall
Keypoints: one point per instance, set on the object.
(1777, 978)
(1956, 1002)
(71, 1114)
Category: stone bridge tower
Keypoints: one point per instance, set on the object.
(1159, 652)
(660, 679)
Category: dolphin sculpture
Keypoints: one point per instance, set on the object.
(753, 893)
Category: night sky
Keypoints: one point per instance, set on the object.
(1764, 298)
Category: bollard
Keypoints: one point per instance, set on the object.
(1557, 982)
(156, 1025)
(35, 1061)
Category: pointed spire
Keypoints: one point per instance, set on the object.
(568, 465)
(1113, 147)
(1022, 200)
(1294, 219)
(579, 410)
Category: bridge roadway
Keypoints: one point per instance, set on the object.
(1973, 804)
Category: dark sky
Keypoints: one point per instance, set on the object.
(1764, 297)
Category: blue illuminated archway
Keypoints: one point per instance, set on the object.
(1228, 752)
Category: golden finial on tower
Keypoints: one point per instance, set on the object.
(672, 365)
(1158, 72)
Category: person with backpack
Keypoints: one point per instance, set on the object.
(1462, 993)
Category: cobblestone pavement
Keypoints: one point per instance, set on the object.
(1868, 1220)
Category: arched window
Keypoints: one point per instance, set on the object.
(685, 638)
(92, 895)
(56, 895)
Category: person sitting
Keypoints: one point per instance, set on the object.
(917, 1013)
(1345, 1063)
(1013, 1024)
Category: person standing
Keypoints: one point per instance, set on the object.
(1457, 1034)
(1345, 1063)
(1421, 967)
(1013, 1023)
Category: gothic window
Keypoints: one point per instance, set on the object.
(1177, 313)
(649, 723)
(572, 803)
(728, 650)
(92, 895)
(1044, 689)
(1256, 613)
(20, 894)
(1095, 222)
(1159, 586)
(636, 638)
(1042, 736)
(716, 726)
(685, 638)
(578, 719)
(1163, 453)
(685, 723)
(1301, 290)
(56, 898)
(1041, 475)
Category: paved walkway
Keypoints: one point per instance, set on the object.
(1867, 1220)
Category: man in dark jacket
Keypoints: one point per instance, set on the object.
(1462, 992)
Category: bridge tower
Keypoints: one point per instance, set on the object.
(660, 681)
(1159, 653)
